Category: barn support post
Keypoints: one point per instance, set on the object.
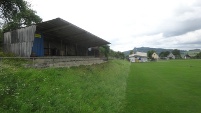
(62, 50)
(66, 50)
(76, 50)
(49, 50)
(87, 54)
(61, 44)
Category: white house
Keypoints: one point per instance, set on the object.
(155, 56)
(138, 57)
(187, 56)
(170, 56)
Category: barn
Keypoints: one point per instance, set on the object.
(55, 37)
(138, 57)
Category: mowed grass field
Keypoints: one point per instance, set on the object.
(172, 86)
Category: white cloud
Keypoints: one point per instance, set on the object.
(131, 23)
(187, 41)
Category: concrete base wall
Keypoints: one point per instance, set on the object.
(65, 62)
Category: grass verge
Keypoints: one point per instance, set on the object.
(86, 89)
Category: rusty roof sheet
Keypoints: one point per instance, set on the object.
(59, 29)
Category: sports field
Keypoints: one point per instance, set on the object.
(164, 87)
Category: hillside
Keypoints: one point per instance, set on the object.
(193, 52)
(145, 49)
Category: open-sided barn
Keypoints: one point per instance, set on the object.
(55, 37)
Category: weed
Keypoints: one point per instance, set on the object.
(97, 88)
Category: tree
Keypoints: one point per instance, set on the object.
(1, 39)
(104, 49)
(118, 54)
(16, 14)
(176, 53)
(198, 56)
(131, 52)
(149, 54)
(164, 54)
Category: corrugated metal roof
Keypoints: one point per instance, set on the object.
(138, 54)
(60, 29)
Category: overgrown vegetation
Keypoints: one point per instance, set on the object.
(198, 56)
(109, 53)
(117, 55)
(2, 54)
(86, 89)
(1, 39)
(104, 50)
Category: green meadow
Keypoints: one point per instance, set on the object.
(172, 86)
(117, 86)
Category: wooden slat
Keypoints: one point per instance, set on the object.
(20, 42)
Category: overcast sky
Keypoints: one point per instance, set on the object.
(127, 24)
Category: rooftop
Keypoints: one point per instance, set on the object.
(66, 32)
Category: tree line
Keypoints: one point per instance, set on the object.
(164, 54)
(175, 52)
(109, 53)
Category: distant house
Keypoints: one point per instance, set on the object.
(170, 56)
(187, 56)
(138, 57)
(155, 56)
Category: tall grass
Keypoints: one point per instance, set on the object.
(86, 89)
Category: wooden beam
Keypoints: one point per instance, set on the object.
(74, 35)
(56, 28)
(54, 37)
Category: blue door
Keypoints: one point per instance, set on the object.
(38, 45)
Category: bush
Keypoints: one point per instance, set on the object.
(2, 54)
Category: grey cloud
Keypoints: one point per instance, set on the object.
(185, 19)
(187, 46)
(180, 28)
(196, 42)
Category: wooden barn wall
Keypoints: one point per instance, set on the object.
(20, 41)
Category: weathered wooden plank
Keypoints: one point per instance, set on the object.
(20, 41)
